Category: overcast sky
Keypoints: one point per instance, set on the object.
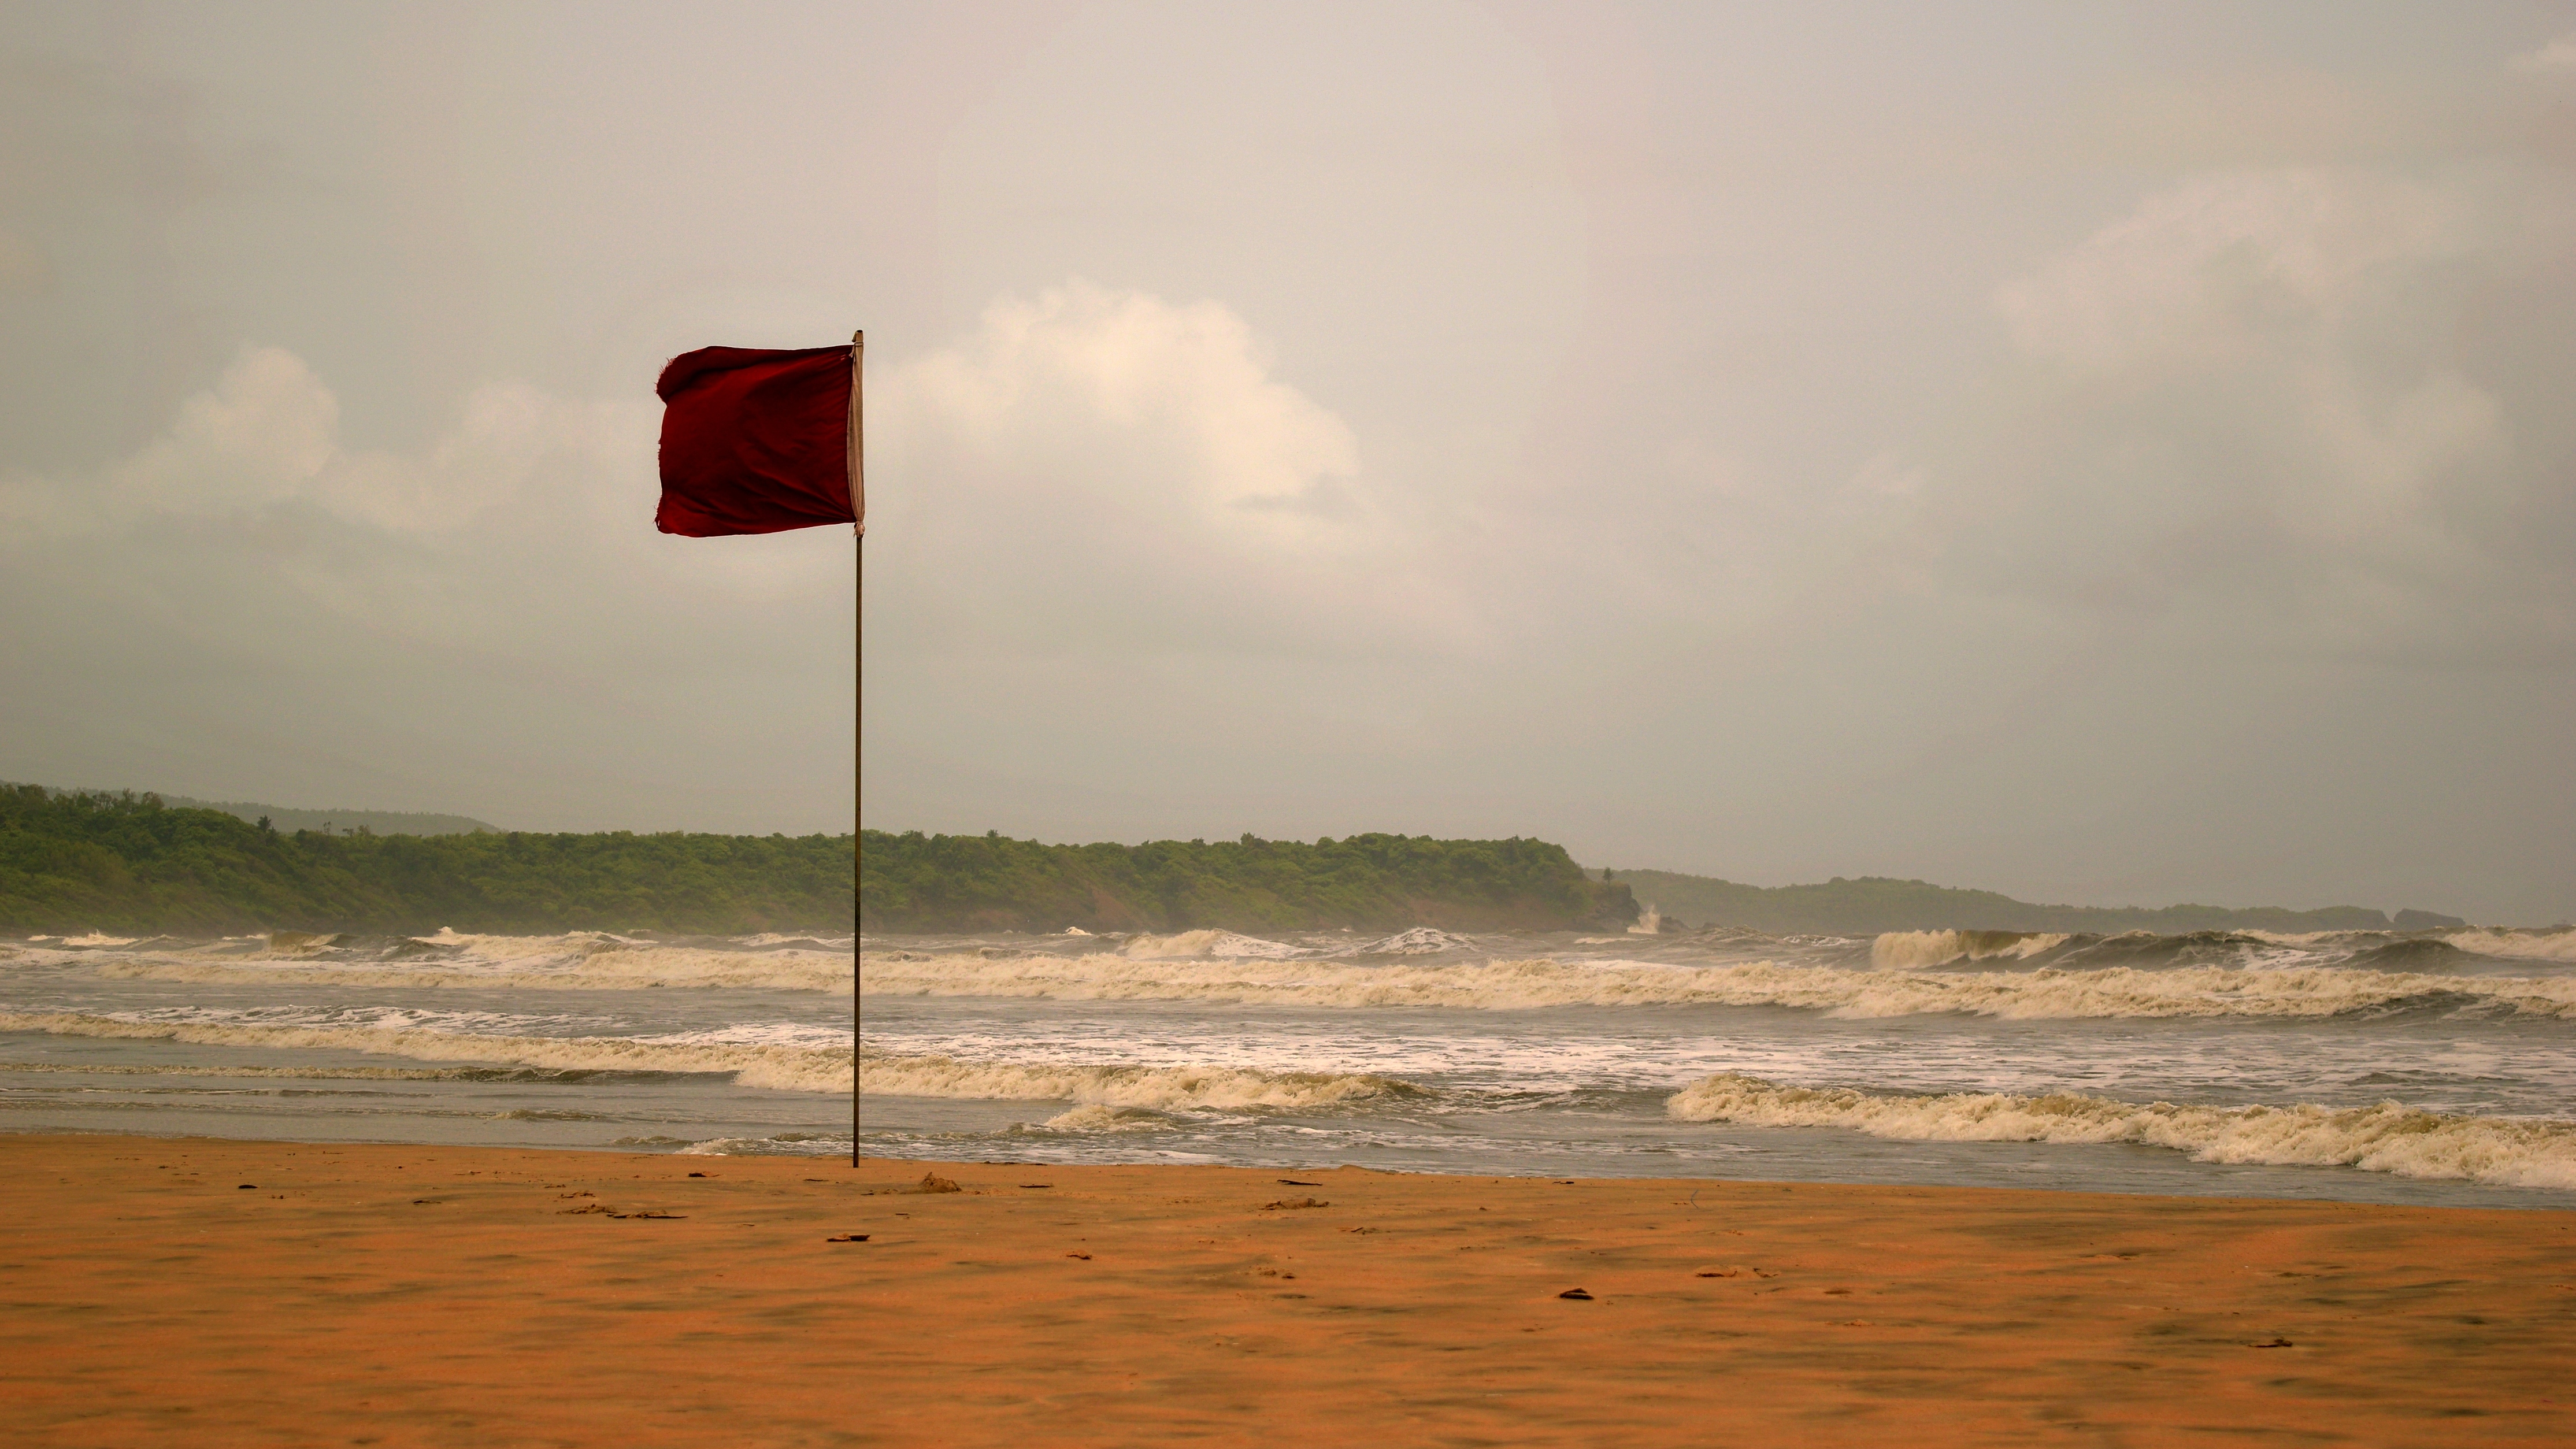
(2110, 454)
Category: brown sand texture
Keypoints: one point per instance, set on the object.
(194, 1292)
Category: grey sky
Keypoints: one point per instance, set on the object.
(2103, 453)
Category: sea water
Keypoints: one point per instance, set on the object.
(2428, 1067)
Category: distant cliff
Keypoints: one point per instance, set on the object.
(1873, 904)
(917, 882)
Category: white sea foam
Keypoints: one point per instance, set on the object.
(2558, 945)
(1917, 949)
(1203, 945)
(1099, 1117)
(585, 961)
(1159, 1089)
(779, 1067)
(2043, 993)
(1420, 941)
(2387, 1137)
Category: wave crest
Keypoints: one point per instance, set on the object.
(1939, 948)
(2388, 1137)
(2557, 945)
(2044, 993)
(777, 1067)
(1202, 945)
(1158, 1089)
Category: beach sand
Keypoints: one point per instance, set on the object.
(418, 1296)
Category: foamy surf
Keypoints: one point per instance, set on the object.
(751, 1064)
(2043, 993)
(1939, 948)
(1158, 1089)
(2557, 945)
(1201, 945)
(578, 961)
(2387, 1137)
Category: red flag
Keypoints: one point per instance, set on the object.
(759, 441)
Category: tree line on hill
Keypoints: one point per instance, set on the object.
(1873, 904)
(78, 861)
(918, 882)
(129, 864)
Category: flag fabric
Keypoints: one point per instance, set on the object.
(759, 441)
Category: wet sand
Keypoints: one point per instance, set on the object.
(430, 1296)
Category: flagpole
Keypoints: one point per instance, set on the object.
(858, 693)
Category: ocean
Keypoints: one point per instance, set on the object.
(2427, 1067)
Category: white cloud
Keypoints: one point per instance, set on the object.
(2247, 403)
(2222, 263)
(267, 436)
(2557, 55)
(1093, 466)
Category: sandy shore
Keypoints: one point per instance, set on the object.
(409, 1295)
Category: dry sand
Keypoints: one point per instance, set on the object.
(413, 1295)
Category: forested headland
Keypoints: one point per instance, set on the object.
(129, 864)
(1872, 904)
(918, 882)
(79, 861)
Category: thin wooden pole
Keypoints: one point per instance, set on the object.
(858, 694)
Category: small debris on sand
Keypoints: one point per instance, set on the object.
(1293, 1182)
(1577, 1294)
(1086, 1257)
(248, 1187)
(1294, 1202)
(2273, 1343)
(933, 1182)
(852, 1238)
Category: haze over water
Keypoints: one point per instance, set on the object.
(2423, 1067)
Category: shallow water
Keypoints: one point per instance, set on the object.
(2430, 1068)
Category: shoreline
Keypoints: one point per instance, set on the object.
(441, 1295)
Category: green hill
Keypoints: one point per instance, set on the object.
(135, 864)
(125, 863)
(338, 822)
(918, 882)
(1873, 904)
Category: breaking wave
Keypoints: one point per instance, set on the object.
(580, 960)
(1939, 948)
(2388, 1137)
(1202, 945)
(772, 1065)
(2557, 945)
(2043, 993)
(1157, 1089)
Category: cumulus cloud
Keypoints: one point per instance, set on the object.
(267, 436)
(2250, 399)
(1092, 466)
(2558, 55)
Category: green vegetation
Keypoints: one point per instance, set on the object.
(918, 882)
(128, 863)
(1874, 903)
(339, 822)
(86, 861)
